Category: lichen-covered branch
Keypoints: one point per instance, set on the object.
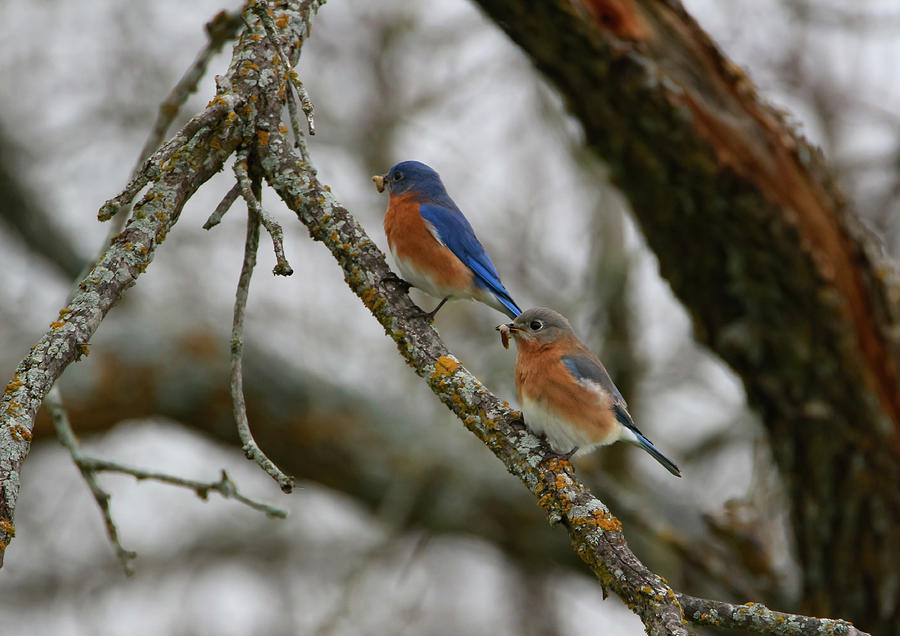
(173, 174)
(596, 535)
(67, 338)
(781, 279)
(753, 617)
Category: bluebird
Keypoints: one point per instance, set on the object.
(432, 243)
(565, 392)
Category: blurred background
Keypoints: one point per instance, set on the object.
(403, 523)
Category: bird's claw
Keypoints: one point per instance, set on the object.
(552, 454)
(399, 283)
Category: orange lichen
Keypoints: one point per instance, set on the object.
(282, 21)
(610, 524)
(262, 137)
(13, 385)
(445, 366)
(56, 324)
(20, 432)
(218, 99)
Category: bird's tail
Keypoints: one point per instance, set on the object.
(512, 309)
(648, 446)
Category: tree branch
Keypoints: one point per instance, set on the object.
(90, 466)
(756, 618)
(596, 535)
(176, 171)
(67, 438)
(248, 444)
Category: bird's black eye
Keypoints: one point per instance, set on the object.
(398, 176)
(536, 325)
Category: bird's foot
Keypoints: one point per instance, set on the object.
(399, 283)
(552, 454)
(428, 315)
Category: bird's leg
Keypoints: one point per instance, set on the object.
(393, 279)
(563, 456)
(429, 316)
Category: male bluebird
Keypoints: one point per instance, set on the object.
(565, 392)
(433, 244)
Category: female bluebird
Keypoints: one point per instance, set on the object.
(565, 392)
(433, 244)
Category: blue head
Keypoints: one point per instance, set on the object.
(416, 177)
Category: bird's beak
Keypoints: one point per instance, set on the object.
(379, 182)
(505, 329)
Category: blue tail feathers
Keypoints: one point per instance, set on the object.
(648, 446)
(505, 300)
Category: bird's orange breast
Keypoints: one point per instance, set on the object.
(415, 247)
(542, 378)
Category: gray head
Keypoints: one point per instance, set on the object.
(540, 324)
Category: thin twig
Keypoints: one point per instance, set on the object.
(219, 30)
(224, 486)
(241, 171)
(248, 444)
(67, 438)
(90, 466)
(151, 168)
(224, 205)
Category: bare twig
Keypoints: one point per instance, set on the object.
(248, 444)
(254, 205)
(90, 466)
(66, 437)
(224, 486)
(224, 205)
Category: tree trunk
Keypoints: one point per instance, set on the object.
(776, 270)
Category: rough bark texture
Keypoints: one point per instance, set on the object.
(776, 270)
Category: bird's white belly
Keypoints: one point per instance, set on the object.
(562, 435)
(411, 274)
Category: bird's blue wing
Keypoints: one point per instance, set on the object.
(583, 367)
(587, 368)
(454, 231)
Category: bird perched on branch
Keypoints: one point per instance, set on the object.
(432, 243)
(565, 392)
